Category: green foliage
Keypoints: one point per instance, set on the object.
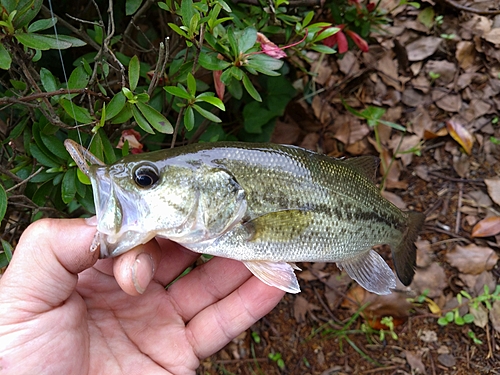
(484, 300)
(276, 357)
(217, 77)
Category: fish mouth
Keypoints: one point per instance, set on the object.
(118, 215)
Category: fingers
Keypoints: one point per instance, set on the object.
(50, 254)
(206, 285)
(218, 324)
(162, 259)
(135, 269)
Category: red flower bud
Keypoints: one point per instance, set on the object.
(360, 42)
(370, 7)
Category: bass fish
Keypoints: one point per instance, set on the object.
(265, 205)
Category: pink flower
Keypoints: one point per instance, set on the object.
(269, 48)
(133, 137)
(360, 42)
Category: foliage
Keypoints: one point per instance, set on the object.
(206, 71)
(483, 301)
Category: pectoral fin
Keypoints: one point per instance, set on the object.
(371, 272)
(277, 274)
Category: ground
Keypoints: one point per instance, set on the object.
(439, 78)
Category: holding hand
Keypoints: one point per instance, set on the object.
(62, 311)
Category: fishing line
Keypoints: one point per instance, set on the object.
(52, 16)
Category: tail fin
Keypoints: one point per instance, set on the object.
(405, 255)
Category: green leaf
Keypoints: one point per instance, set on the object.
(265, 64)
(41, 42)
(326, 33)
(5, 58)
(189, 119)
(141, 121)
(251, 88)
(207, 114)
(115, 105)
(26, 11)
(134, 70)
(307, 19)
(232, 42)
(155, 118)
(68, 187)
(210, 62)
(75, 42)
(178, 91)
(80, 114)
(321, 48)
(49, 82)
(6, 256)
(178, 30)
(246, 39)
(208, 97)
(42, 25)
(82, 177)
(54, 145)
(187, 12)
(78, 79)
(131, 6)
(3, 202)
(43, 159)
(109, 153)
(191, 84)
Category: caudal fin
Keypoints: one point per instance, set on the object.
(405, 255)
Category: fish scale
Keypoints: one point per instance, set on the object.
(263, 204)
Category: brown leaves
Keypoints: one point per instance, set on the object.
(472, 259)
(487, 227)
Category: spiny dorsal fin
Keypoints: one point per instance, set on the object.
(365, 165)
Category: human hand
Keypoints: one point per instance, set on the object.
(62, 311)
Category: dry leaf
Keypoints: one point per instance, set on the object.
(461, 135)
(431, 278)
(493, 36)
(447, 102)
(422, 48)
(495, 315)
(415, 362)
(493, 185)
(472, 259)
(487, 227)
(394, 199)
(465, 54)
(301, 307)
(480, 315)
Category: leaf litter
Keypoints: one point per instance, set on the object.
(438, 77)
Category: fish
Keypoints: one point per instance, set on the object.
(266, 205)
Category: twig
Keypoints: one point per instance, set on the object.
(465, 8)
(459, 205)
(41, 95)
(163, 56)
(25, 180)
(177, 125)
(137, 15)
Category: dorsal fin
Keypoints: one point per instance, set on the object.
(365, 165)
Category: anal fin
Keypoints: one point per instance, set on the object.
(371, 272)
(277, 274)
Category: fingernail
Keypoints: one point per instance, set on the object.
(92, 221)
(142, 272)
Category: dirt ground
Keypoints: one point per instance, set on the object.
(440, 79)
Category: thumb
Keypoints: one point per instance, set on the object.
(49, 255)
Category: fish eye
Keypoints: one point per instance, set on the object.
(146, 176)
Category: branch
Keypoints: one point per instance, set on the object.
(139, 13)
(465, 8)
(42, 95)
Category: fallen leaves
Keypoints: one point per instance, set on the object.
(472, 259)
(487, 227)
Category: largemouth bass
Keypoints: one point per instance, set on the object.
(265, 205)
